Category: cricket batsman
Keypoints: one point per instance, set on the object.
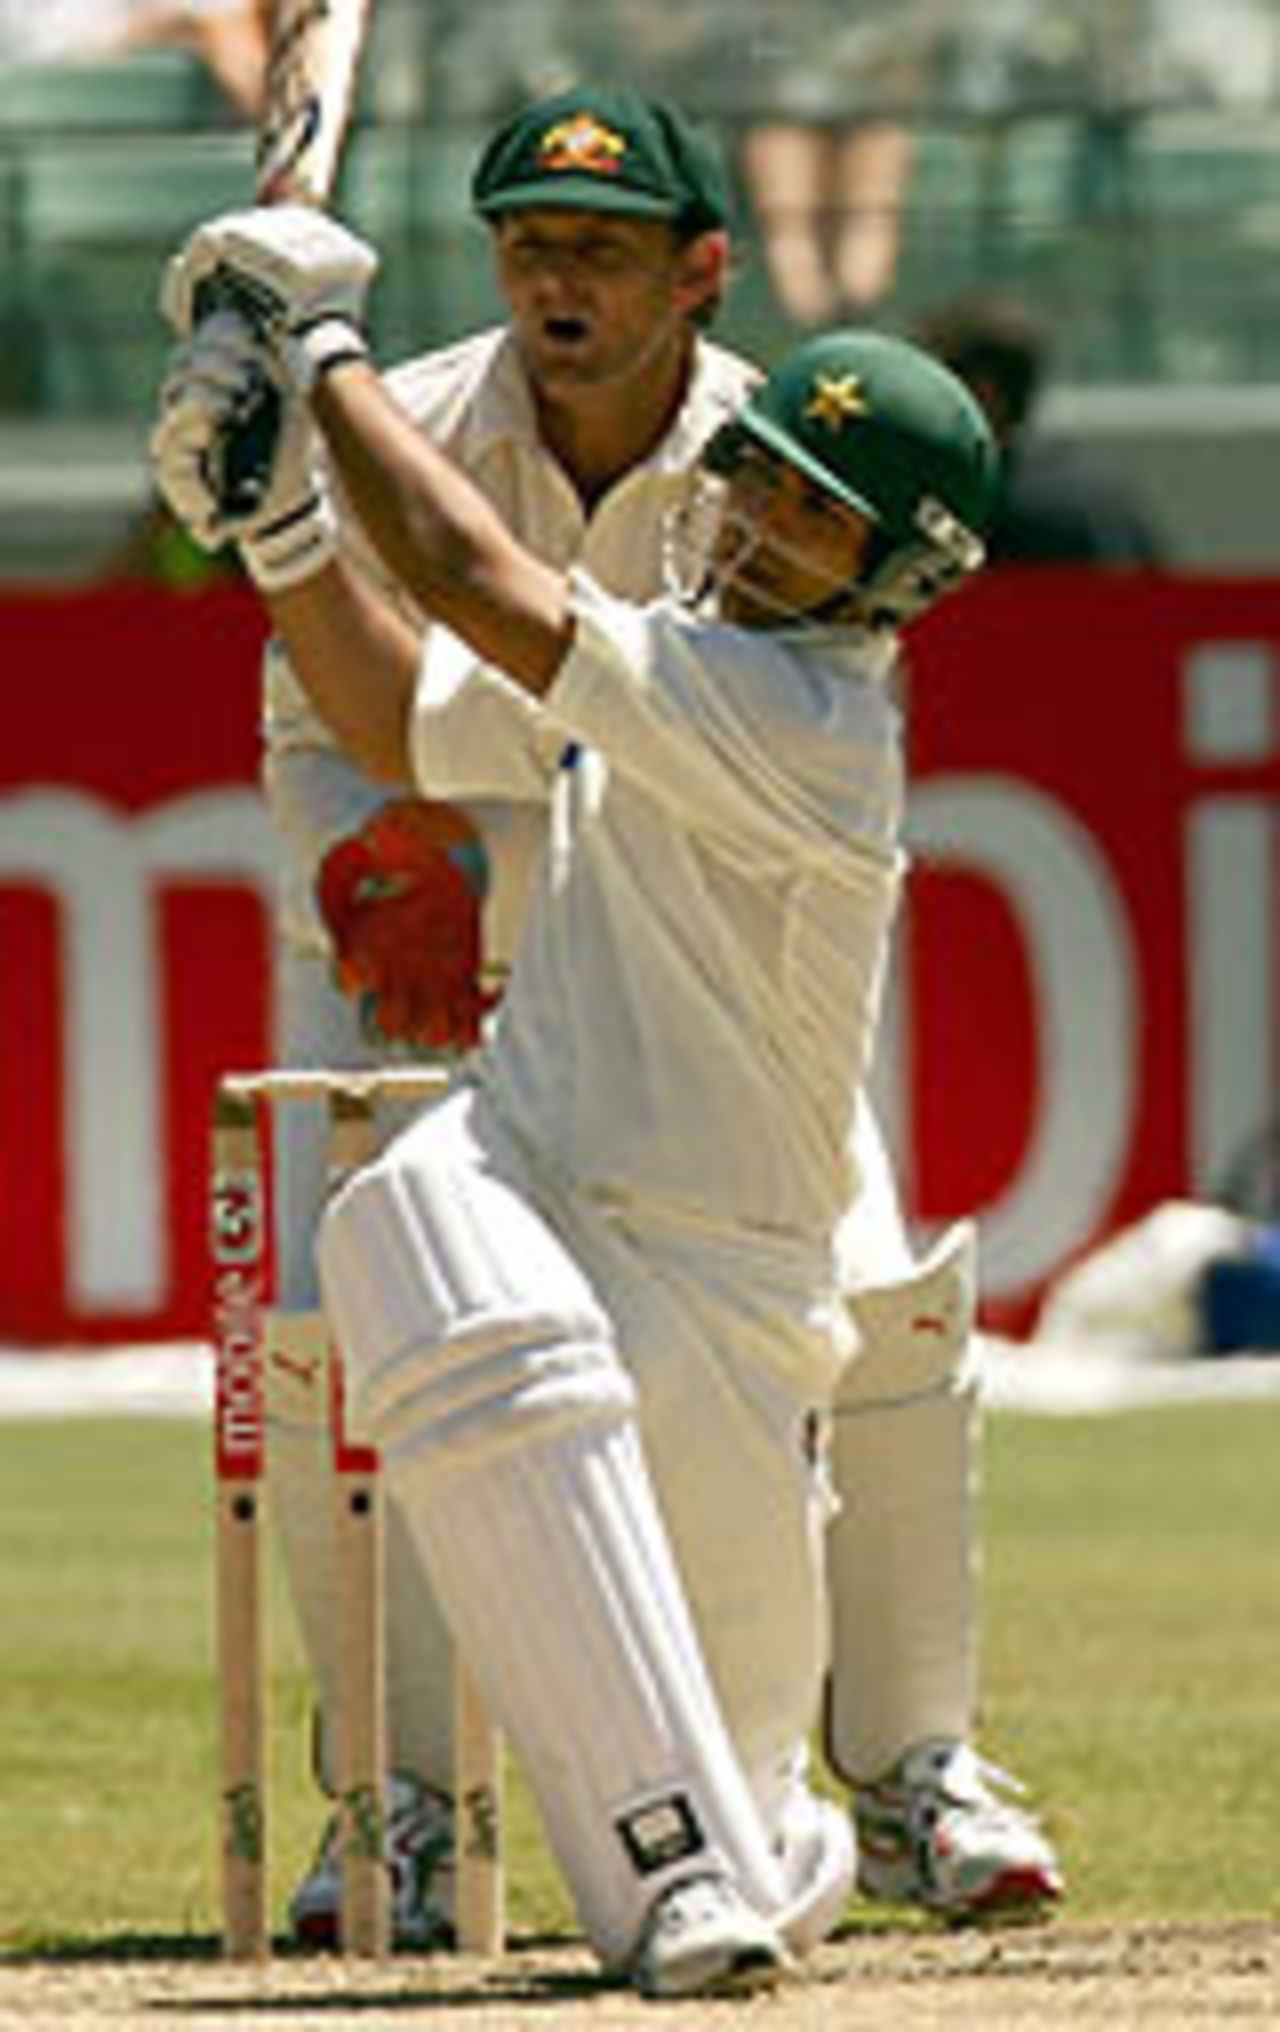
(933, 1826)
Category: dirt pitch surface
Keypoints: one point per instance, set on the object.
(1161, 1977)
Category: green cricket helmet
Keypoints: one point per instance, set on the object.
(892, 433)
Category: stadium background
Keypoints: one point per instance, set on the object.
(1086, 1019)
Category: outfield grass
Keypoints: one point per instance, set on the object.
(1133, 1649)
(1132, 1644)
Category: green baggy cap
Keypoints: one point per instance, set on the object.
(604, 150)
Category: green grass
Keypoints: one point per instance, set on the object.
(1133, 1649)
(1132, 1641)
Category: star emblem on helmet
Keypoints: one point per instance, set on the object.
(582, 143)
(835, 399)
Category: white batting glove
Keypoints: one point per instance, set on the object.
(233, 455)
(294, 272)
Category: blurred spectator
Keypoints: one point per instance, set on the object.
(1054, 507)
(229, 36)
(462, 61)
(828, 201)
(820, 92)
(827, 152)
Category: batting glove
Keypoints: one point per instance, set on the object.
(232, 454)
(296, 274)
(401, 900)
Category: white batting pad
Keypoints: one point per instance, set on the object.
(902, 1548)
(487, 1374)
(555, 1573)
(819, 1856)
(871, 1241)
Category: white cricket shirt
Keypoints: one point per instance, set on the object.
(694, 1003)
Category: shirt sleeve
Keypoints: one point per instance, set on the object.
(474, 733)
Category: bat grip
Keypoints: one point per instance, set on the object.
(242, 461)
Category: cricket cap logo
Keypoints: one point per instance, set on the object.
(835, 400)
(604, 149)
(582, 143)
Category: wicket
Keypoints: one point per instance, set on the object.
(242, 1319)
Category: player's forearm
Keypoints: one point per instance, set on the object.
(357, 661)
(440, 536)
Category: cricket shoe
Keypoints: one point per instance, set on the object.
(702, 1939)
(936, 1831)
(419, 1843)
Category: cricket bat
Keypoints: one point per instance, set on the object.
(313, 66)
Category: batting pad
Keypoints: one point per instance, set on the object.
(507, 1426)
(554, 1570)
(819, 1856)
(902, 1552)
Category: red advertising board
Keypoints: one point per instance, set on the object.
(135, 877)
(1086, 1010)
(1092, 951)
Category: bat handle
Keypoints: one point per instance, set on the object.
(245, 452)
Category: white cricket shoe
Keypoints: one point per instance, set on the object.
(420, 1859)
(934, 1831)
(703, 1939)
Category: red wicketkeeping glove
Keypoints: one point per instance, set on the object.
(401, 900)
